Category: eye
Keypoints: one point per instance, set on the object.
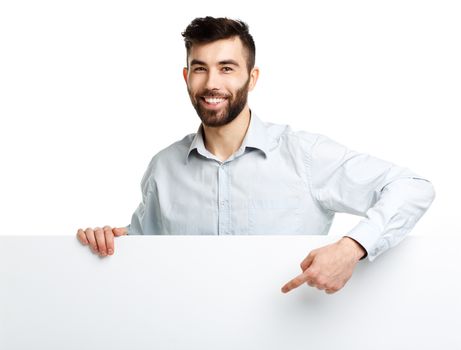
(227, 69)
(199, 69)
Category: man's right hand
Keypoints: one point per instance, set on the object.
(101, 240)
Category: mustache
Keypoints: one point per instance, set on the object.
(211, 93)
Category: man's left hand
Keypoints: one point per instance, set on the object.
(330, 267)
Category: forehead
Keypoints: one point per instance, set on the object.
(219, 50)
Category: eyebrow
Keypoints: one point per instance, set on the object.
(224, 62)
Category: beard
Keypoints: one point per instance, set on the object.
(234, 105)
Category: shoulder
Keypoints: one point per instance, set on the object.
(174, 152)
(300, 138)
(167, 159)
(316, 148)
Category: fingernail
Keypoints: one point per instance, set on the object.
(111, 251)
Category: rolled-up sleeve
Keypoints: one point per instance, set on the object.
(390, 198)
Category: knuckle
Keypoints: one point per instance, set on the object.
(298, 281)
(312, 274)
(336, 286)
(321, 281)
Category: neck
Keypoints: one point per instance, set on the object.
(224, 140)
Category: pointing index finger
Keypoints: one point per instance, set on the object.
(294, 283)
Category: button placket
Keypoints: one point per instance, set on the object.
(223, 200)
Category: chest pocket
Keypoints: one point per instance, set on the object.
(274, 216)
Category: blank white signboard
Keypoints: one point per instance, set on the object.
(223, 292)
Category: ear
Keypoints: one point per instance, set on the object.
(184, 73)
(254, 74)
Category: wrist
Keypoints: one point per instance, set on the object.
(358, 249)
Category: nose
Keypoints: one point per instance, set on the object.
(213, 81)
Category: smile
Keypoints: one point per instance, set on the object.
(213, 100)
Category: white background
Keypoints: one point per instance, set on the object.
(91, 90)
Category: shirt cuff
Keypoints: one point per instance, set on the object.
(367, 236)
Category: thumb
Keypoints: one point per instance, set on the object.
(120, 231)
(308, 261)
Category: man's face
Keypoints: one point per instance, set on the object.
(218, 81)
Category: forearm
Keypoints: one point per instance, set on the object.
(401, 204)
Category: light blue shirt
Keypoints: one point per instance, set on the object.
(279, 182)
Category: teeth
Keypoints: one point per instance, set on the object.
(214, 100)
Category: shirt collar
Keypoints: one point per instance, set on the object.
(256, 137)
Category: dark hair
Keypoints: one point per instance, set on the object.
(204, 30)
